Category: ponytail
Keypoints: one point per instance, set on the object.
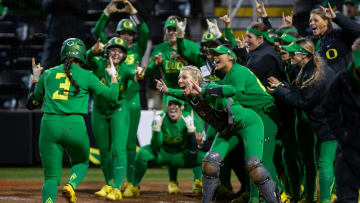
(68, 62)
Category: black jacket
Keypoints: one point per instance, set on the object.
(342, 106)
(264, 62)
(335, 44)
(309, 99)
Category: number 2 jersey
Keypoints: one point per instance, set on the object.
(56, 90)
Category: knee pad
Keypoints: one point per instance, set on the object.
(260, 176)
(211, 164)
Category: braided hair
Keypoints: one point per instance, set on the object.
(68, 62)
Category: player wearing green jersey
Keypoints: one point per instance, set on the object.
(233, 122)
(110, 121)
(127, 29)
(172, 133)
(251, 94)
(64, 92)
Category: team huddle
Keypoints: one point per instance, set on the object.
(258, 105)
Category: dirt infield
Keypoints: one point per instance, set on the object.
(151, 192)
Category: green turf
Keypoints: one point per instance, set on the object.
(94, 174)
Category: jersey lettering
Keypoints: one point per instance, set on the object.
(130, 59)
(257, 79)
(173, 66)
(65, 86)
(172, 140)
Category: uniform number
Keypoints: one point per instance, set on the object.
(65, 86)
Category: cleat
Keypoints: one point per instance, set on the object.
(173, 187)
(127, 184)
(285, 198)
(244, 198)
(69, 193)
(224, 193)
(197, 187)
(132, 191)
(333, 198)
(114, 194)
(104, 191)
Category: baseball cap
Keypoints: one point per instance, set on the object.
(173, 99)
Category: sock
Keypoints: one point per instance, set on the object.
(49, 191)
(119, 170)
(77, 173)
(130, 165)
(172, 171)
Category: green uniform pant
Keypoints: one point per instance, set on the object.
(326, 169)
(133, 99)
(146, 155)
(59, 133)
(270, 117)
(111, 134)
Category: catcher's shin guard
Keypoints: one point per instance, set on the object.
(210, 175)
(260, 176)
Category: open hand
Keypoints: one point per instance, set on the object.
(158, 59)
(329, 13)
(260, 8)
(37, 70)
(139, 71)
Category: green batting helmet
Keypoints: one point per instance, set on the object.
(116, 42)
(73, 48)
(127, 25)
(171, 23)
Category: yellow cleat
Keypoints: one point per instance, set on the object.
(132, 191)
(127, 184)
(114, 194)
(285, 198)
(69, 193)
(197, 187)
(333, 198)
(173, 187)
(104, 191)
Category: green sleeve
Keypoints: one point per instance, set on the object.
(190, 51)
(238, 81)
(92, 60)
(98, 88)
(39, 88)
(100, 26)
(151, 68)
(129, 72)
(143, 38)
(156, 140)
(230, 36)
(177, 93)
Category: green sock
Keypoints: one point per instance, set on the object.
(49, 191)
(139, 172)
(77, 173)
(197, 171)
(130, 165)
(107, 167)
(172, 171)
(119, 170)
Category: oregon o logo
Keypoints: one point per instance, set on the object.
(209, 36)
(119, 41)
(172, 21)
(71, 43)
(128, 24)
(331, 53)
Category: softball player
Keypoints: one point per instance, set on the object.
(128, 29)
(233, 122)
(170, 145)
(64, 92)
(110, 121)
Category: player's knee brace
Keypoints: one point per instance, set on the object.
(210, 169)
(260, 176)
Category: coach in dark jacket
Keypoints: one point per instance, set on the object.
(334, 45)
(262, 59)
(342, 107)
(307, 95)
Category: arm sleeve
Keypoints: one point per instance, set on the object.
(350, 29)
(266, 22)
(177, 93)
(332, 107)
(156, 140)
(92, 60)
(110, 94)
(35, 97)
(190, 51)
(230, 36)
(219, 91)
(100, 26)
(292, 95)
(143, 38)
